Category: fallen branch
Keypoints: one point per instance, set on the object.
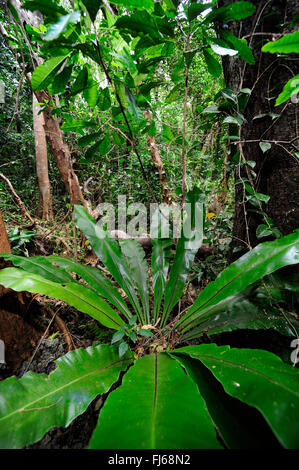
(60, 325)
(18, 199)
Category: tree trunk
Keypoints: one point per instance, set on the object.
(59, 148)
(4, 247)
(61, 153)
(277, 169)
(156, 158)
(62, 156)
(45, 205)
(4, 241)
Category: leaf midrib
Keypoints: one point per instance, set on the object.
(249, 369)
(232, 280)
(69, 384)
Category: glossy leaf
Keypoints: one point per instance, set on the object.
(109, 252)
(289, 43)
(187, 247)
(260, 379)
(61, 80)
(231, 12)
(48, 8)
(239, 425)
(262, 260)
(196, 9)
(92, 7)
(148, 5)
(89, 138)
(75, 294)
(32, 405)
(41, 75)
(265, 146)
(135, 256)
(132, 106)
(138, 22)
(80, 82)
(223, 50)
(245, 311)
(214, 67)
(161, 404)
(290, 88)
(161, 253)
(72, 125)
(39, 265)
(104, 102)
(240, 45)
(56, 29)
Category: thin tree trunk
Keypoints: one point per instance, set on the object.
(4, 248)
(61, 153)
(59, 148)
(45, 205)
(4, 241)
(156, 158)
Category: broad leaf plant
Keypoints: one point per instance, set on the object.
(173, 386)
(177, 389)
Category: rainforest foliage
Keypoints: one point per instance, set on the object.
(146, 106)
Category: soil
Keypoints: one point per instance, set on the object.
(21, 327)
(31, 346)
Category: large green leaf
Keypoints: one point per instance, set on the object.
(223, 50)
(287, 44)
(81, 82)
(41, 75)
(91, 93)
(61, 80)
(161, 253)
(39, 265)
(77, 295)
(239, 425)
(260, 379)
(104, 100)
(196, 9)
(148, 5)
(139, 22)
(96, 280)
(231, 12)
(29, 407)
(109, 252)
(56, 29)
(241, 312)
(262, 260)
(157, 407)
(135, 256)
(126, 60)
(71, 125)
(48, 8)
(187, 247)
(240, 45)
(92, 6)
(214, 67)
(290, 88)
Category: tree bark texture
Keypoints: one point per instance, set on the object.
(277, 169)
(61, 153)
(45, 205)
(59, 147)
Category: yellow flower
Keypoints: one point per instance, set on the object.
(209, 215)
